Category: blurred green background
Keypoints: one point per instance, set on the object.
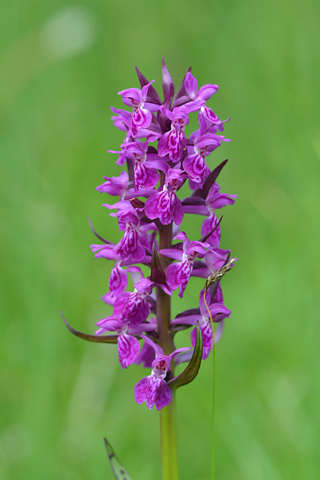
(62, 64)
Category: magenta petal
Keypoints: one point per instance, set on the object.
(163, 146)
(158, 164)
(173, 274)
(151, 206)
(187, 319)
(172, 253)
(109, 298)
(155, 346)
(159, 206)
(218, 311)
(141, 118)
(218, 332)
(145, 176)
(130, 246)
(191, 85)
(222, 200)
(202, 305)
(128, 349)
(153, 389)
(146, 356)
(206, 332)
(177, 212)
(164, 396)
(176, 144)
(131, 97)
(144, 90)
(195, 166)
(207, 91)
(140, 390)
(118, 280)
(208, 225)
(195, 209)
(137, 314)
(178, 275)
(218, 296)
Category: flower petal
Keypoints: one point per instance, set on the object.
(128, 349)
(140, 390)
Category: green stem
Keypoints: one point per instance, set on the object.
(213, 408)
(168, 428)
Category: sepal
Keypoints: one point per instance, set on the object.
(181, 96)
(152, 95)
(90, 338)
(97, 235)
(205, 237)
(157, 274)
(209, 181)
(167, 84)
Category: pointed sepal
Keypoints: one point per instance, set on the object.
(205, 237)
(181, 96)
(137, 203)
(152, 95)
(167, 85)
(90, 338)
(192, 369)
(157, 274)
(117, 468)
(97, 235)
(209, 181)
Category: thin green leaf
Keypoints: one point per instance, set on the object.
(117, 468)
(90, 338)
(192, 369)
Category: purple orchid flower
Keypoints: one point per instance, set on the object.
(153, 389)
(212, 118)
(194, 163)
(122, 120)
(146, 356)
(212, 224)
(133, 308)
(141, 117)
(174, 142)
(128, 344)
(134, 243)
(145, 164)
(118, 278)
(205, 92)
(203, 144)
(165, 204)
(130, 308)
(217, 311)
(116, 186)
(178, 274)
(191, 86)
(215, 200)
(214, 259)
(149, 214)
(118, 282)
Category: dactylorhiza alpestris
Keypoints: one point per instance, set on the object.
(160, 158)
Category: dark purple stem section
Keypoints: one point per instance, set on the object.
(164, 300)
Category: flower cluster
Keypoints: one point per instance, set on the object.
(160, 158)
